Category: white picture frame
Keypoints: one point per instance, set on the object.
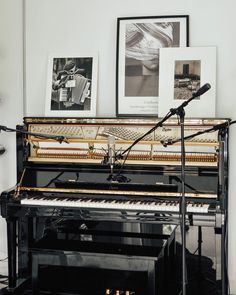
(71, 85)
(182, 72)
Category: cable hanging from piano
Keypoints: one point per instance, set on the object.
(53, 180)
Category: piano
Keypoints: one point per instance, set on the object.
(81, 171)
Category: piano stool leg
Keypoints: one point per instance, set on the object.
(151, 278)
(35, 271)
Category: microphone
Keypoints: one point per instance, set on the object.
(111, 158)
(202, 89)
(111, 150)
(167, 142)
(61, 139)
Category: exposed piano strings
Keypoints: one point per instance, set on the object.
(88, 142)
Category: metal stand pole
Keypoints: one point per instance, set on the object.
(181, 114)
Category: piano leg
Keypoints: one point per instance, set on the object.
(11, 245)
(151, 278)
(35, 264)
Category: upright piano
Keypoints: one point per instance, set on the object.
(76, 174)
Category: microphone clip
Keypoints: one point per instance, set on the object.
(105, 160)
(167, 142)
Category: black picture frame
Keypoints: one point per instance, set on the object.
(137, 60)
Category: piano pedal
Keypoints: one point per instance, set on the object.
(119, 292)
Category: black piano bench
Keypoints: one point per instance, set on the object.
(97, 261)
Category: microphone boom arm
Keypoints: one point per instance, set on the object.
(173, 111)
(212, 129)
(59, 138)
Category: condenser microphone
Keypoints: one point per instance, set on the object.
(111, 155)
(202, 89)
(111, 150)
(167, 142)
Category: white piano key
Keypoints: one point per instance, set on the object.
(115, 204)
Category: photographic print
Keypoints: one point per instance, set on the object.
(138, 42)
(182, 72)
(71, 86)
(186, 78)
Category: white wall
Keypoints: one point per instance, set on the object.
(10, 93)
(74, 26)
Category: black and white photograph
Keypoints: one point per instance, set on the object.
(182, 72)
(139, 41)
(187, 78)
(71, 86)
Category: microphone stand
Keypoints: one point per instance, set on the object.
(221, 128)
(179, 111)
(58, 138)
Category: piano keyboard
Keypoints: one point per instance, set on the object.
(108, 204)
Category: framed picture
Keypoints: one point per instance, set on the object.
(182, 72)
(71, 85)
(139, 40)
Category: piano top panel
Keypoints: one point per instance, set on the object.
(126, 121)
